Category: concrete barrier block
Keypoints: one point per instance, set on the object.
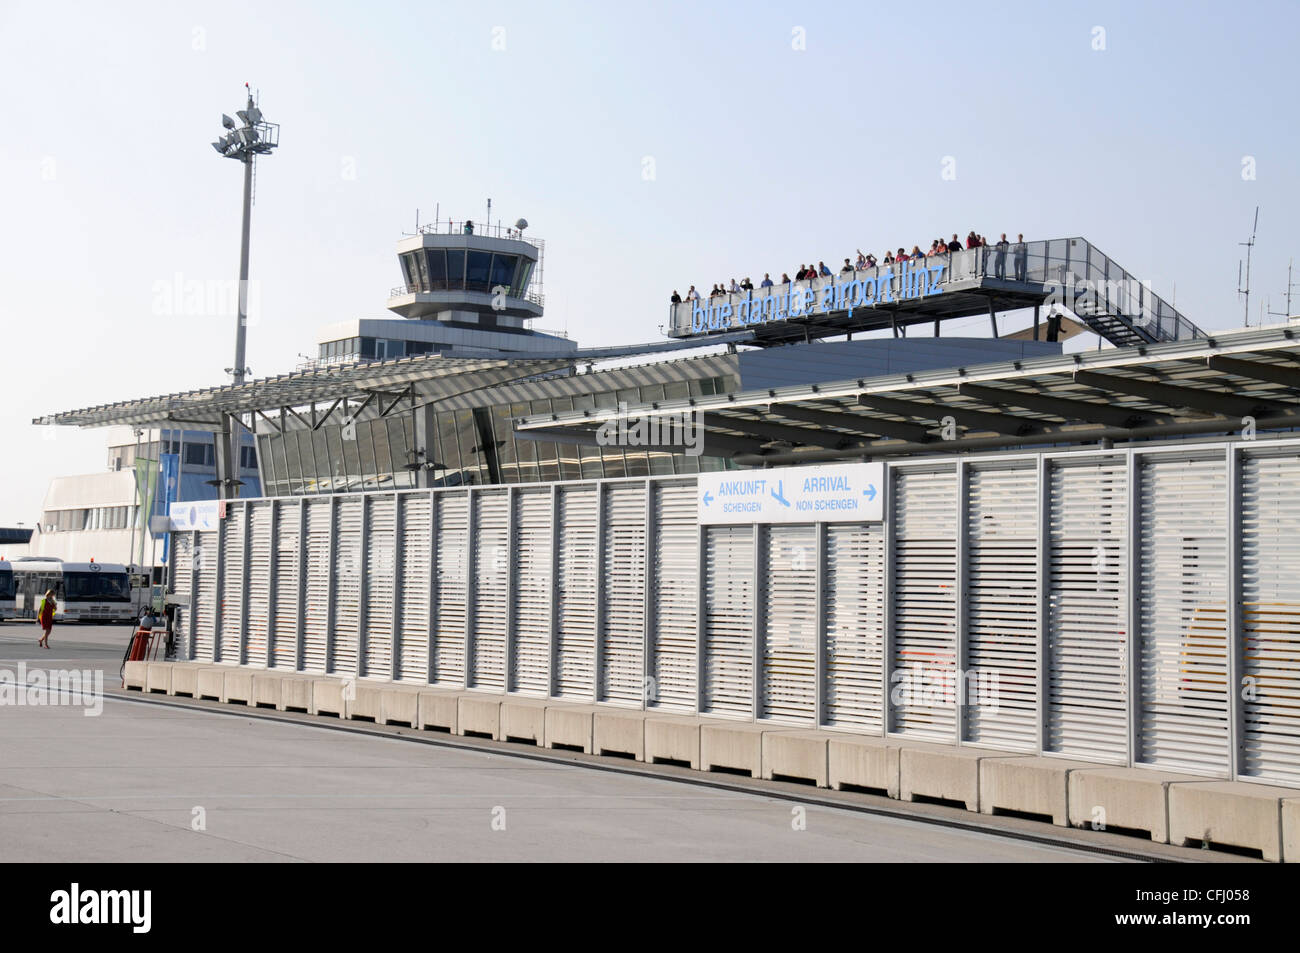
(158, 677)
(618, 731)
(1130, 798)
(185, 679)
(268, 690)
(328, 696)
(400, 703)
(863, 762)
(1232, 813)
(210, 682)
(238, 686)
(672, 738)
(1028, 785)
(135, 675)
(296, 692)
(435, 709)
(367, 701)
(938, 771)
(480, 714)
(570, 725)
(738, 746)
(795, 754)
(523, 719)
(1291, 830)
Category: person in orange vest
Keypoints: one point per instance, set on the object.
(45, 616)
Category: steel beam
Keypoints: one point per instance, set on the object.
(1254, 370)
(1068, 410)
(769, 431)
(935, 410)
(1171, 395)
(857, 424)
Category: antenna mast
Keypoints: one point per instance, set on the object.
(1249, 246)
(1290, 286)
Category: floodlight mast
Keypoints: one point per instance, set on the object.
(243, 143)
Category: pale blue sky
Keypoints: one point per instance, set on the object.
(764, 156)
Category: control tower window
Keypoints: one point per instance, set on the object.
(411, 272)
(424, 273)
(503, 269)
(478, 271)
(455, 270)
(521, 279)
(437, 269)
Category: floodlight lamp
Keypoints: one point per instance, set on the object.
(227, 121)
(254, 115)
(243, 116)
(220, 146)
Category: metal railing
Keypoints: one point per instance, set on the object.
(450, 227)
(532, 297)
(1073, 273)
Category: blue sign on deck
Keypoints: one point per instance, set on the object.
(834, 493)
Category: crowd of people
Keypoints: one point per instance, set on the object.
(863, 262)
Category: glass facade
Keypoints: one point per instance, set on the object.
(472, 447)
(371, 348)
(437, 269)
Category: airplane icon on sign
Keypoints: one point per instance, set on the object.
(777, 493)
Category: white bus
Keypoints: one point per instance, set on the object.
(6, 591)
(85, 592)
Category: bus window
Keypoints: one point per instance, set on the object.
(96, 587)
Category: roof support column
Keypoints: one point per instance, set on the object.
(227, 452)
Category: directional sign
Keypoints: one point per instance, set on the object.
(195, 514)
(835, 493)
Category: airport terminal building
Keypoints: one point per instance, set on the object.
(841, 519)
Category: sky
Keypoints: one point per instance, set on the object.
(652, 146)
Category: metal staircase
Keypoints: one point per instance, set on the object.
(1114, 304)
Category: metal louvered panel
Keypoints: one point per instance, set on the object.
(532, 592)
(232, 582)
(316, 601)
(923, 681)
(451, 568)
(284, 596)
(624, 610)
(729, 620)
(675, 596)
(789, 655)
(206, 559)
(854, 590)
(379, 584)
(1087, 617)
(575, 618)
(346, 618)
(1182, 612)
(1270, 617)
(1000, 683)
(182, 569)
(259, 582)
(490, 589)
(415, 565)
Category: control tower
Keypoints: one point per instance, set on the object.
(468, 291)
(472, 277)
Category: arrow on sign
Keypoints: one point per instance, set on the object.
(708, 498)
(870, 491)
(776, 494)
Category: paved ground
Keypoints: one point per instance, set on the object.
(132, 783)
